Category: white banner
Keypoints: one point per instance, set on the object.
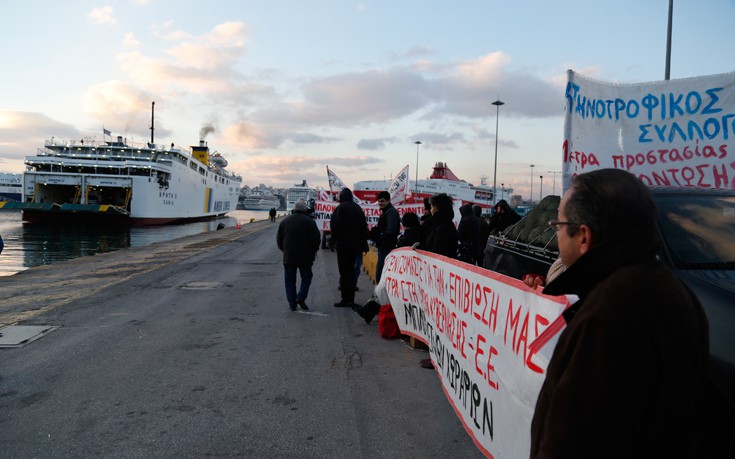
(323, 212)
(676, 133)
(490, 339)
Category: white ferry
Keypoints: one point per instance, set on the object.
(118, 182)
(299, 191)
(10, 187)
(442, 180)
(259, 200)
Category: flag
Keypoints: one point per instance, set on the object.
(336, 184)
(105, 131)
(323, 195)
(399, 186)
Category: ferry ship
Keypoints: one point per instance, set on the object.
(300, 191)
(118, 182)
(259, 200)
(442, 180)
(10, 187)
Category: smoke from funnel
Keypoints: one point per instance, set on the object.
(205, 130)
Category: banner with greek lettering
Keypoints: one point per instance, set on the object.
(323, 212)
(490, 338)
(676, 133)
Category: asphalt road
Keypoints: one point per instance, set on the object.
(187, 349)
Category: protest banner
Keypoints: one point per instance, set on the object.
(490, 339)
(323, 212)
(675, 133)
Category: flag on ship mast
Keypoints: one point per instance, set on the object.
(105, 132)
(399, 187)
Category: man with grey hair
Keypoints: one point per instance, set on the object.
(628, 375)
(298, 237)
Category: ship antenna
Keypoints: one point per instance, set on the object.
(153, 109)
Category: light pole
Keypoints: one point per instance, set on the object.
(416, 182)
(553, 181)
(530, 198)
(497, 104)
(541, 188)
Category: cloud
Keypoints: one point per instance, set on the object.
(130, 41)
(102, 15)
(375, 144)
(24, 132)
(121, 107)
(264, 168)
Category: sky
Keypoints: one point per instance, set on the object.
(284, 88)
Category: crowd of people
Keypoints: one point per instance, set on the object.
(628, 375)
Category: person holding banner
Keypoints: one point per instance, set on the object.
(349, 235)
(627, 377)
(298, 239)
(385, 234)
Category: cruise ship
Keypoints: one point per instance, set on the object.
(10, 187)
(299, 191)
(442, 180)
(119, 182)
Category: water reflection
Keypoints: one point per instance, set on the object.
(27, 245)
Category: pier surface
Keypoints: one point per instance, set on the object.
(187, 348)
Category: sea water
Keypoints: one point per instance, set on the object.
(29, 245)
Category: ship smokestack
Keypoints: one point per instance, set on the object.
(202, 143)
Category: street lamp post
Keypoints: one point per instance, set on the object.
(553, 181)
(416, 182)
(541, 188)
(497, 104)
(530, 195)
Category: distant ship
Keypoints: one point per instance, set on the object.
(442, 180)
(259, 200)
(11, 186)
(117, 182)
(296, 192)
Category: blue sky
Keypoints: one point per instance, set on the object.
(292, 86)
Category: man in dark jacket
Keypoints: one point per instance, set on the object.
(441, 234)
(484, 234)
(349, 235)
(503, 217)
(298, 238)
(386, 236)
(468, 234)
(627, 376)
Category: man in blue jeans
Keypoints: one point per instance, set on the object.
(298, 237)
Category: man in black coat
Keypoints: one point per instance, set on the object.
(628, 374)
(387, 230)
(349, 235)
(468, 234)
(298, 238)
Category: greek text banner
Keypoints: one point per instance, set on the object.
(676, 133)
(480, 327)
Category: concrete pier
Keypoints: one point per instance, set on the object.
(188, 349)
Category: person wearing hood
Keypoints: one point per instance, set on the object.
(348, 228)
(441, 236)
(503, 217)
(298, 239)
(627, 377)
(468, 234)
(484, 234)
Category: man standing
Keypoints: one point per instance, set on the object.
(298, 238)
(386, 234)
(272, 214)
(627, 376)
(349, 235)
